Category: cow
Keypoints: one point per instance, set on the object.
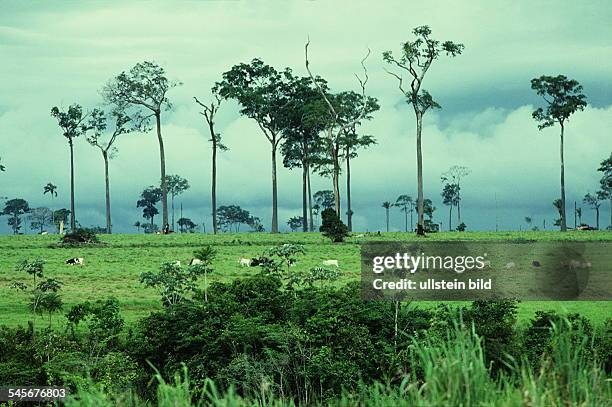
(194, 261)
(260, 261)
(75, 261)
(331, 263)
(44, 233)
(176, 263)
(245, 262)
(360, 235)
(510, 265)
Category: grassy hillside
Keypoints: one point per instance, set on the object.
(113, 269)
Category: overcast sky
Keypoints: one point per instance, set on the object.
(57, 53)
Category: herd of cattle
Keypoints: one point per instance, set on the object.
(243, 262)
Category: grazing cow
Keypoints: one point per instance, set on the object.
(536, 263)
(75, 261)
(260, 261)
(44, 233)
(331, 263)
(194, 261)
(177, 263)
(244, 262)
(510, 265)
(360, 235)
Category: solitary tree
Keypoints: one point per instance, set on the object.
(232, 216)
(594, 202)
(186, 225)
(450, 197)
(302, 146)
(528, 221)
(406, 205)
(387, 205)
(50, 189)
(416, 58)
(342, 119)
(144, 88)
(209, 112)
(148, 199)
(454, 175)
(137, 225)
(73, 123)
(176, 186)
(41, 217)
(563, 98)
(104, 139)
(261, 92)
(14, 209)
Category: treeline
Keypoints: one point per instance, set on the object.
(312, 127)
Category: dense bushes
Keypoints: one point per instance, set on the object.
(256, 339)
(81, 236)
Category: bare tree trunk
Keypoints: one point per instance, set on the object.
(310, 201)
(563, 219)
(458, 205)
(597, 217)
(387, 213)
(304, 197)
(214, 182)
(611, 213)
(335, 175)
(575, 215)
(349, 211)
(274, 228)
(450, 218)
(107, 188)
(420, 209)
(72, 215)
(172, 204)
(162, 162)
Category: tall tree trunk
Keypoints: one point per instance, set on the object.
(563, 218)
(611, 213)
(310, 219)
(411, 222)
(304, 197)
(72, 215)
(406, 219)
(458, 206)
(597, 217)
(387, 213)
(214, 182)
(575, 215)
(162, 162)
(274, 228)
(349, 211)
(450, 218)
(172, 207)
(107, 190)
(420, 210)
(336, 180)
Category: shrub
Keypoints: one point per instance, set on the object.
(332, 227)
(80, 237)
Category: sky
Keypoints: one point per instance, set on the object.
(57, 53)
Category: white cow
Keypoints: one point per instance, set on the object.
(177, 263)
(244, 262)
(331, 263)
(194, 261)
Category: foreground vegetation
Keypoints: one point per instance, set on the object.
(113, 268)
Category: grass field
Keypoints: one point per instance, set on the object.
(113, 269)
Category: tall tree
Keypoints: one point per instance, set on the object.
(104, 139)
(51, 189)
(295, 223)
(148, 199)
(14, 209)
(605, 191)
(351, 141)
(593, 201)
(261, 92)
(302, 146)
(176, 186)
(73, 123)
(232, 216)
(2, 167)
(143, 89)
(450, 197)
(406, 205)
(41, 217)
(341, 120)
(563, 98)
(209, 113)
(387, 205)
(416, 58)
(454, 175)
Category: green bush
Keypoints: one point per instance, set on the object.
(332, 226)
(81, 236)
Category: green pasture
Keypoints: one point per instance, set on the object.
(113, 268)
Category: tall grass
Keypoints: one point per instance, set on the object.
(445, 372)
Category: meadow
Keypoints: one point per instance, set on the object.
(113, 269)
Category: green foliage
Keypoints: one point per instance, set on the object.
(324, 199)
(173, 282)
(563, 98)
(186, 225)
(462, 227)
(14, 209)
(295, 223)
(81, 236)
(332, 226)
(148, 199)
(34, 268)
